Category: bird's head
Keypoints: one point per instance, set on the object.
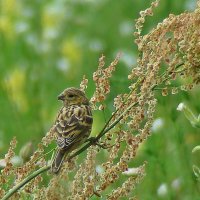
(73, 96)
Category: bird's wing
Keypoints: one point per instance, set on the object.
(71, 128)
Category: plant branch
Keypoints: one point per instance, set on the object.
(25, 181)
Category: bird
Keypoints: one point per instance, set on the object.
(72, 126)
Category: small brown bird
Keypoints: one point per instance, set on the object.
(73, 124)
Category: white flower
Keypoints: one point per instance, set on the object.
(126, 28)
(99, 169)
(194, 120)
(127, 58)
(176, 184)
(50, 33)
(132, 171)
(16, 160)
(157, 124)
(196, 148)
(180, 107)
(21, 27)
(162, 190)
(63, 64)
(96, 45)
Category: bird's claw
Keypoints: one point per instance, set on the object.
(94, 141)
(91, 140)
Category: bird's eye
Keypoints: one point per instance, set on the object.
(70, 95)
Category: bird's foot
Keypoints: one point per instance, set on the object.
(94, 141)
(91, 140)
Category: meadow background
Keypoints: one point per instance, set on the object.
(47, 46)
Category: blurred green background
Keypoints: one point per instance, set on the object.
(46, 46)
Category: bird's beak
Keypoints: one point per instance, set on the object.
(61, 97)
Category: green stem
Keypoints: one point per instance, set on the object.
(26, 180)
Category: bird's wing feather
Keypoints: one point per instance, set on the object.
(70, 128)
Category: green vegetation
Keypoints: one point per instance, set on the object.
(47, 46)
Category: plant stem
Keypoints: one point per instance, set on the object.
(26, 180)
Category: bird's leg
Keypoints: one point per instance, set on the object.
(94, 141)
(91, 139)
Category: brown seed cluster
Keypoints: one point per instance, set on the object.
(169, 52)
(18, 173)
(128, 185)
(9, 169)
(101, 79)
(36, 160)
(83, 185)
(83, 84)
(173, 45)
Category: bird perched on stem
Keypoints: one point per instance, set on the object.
(73, 124)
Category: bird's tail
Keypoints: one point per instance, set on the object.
(57, 161)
